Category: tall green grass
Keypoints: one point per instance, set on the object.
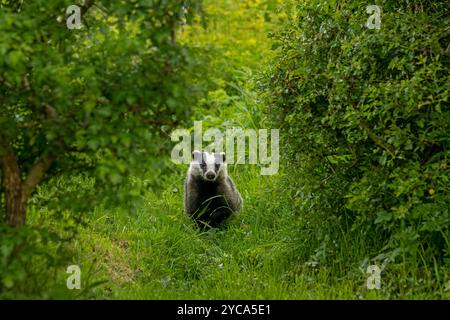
(264, 253)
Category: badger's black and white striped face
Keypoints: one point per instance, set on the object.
(210, 166)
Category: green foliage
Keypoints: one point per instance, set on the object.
(30, 259)
(230, 41)
(364, 125)
(365, 117)
(96, 98)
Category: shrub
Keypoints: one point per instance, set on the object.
(365, 122)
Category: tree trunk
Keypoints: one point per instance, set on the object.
(15, 199)
(16, 208)
(18, 191)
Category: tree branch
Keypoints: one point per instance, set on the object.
(36, 174)
(27, 125)
(87, 5)
(378, 141)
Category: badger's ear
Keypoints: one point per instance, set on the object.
(197, 155)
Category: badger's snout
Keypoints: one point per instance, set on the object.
(210, 175)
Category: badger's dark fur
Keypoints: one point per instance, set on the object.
(210, 195)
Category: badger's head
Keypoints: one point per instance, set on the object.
(209, 166)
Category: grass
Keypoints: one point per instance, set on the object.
(158, 253)
(270, 251)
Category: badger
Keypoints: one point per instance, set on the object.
(210, 196)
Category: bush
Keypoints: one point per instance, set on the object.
(365, 123)
(32, 260)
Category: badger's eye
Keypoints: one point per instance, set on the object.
(203, 165)
(217, 167)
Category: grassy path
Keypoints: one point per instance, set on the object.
(159, 254)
